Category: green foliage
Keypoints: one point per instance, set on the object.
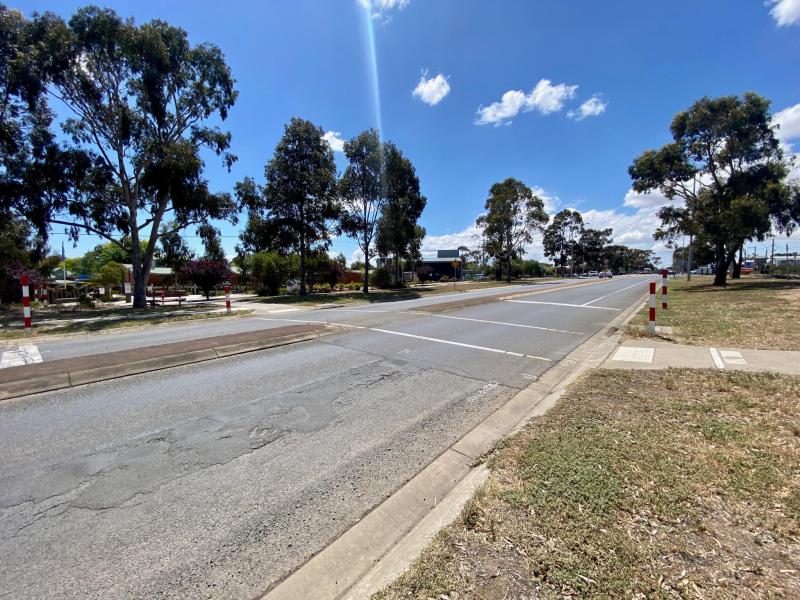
(109, 275)
(175, 253)
(270, 271)
(591, 246)
(512, 216)
(140, 97)
(561, 237)
(726, 164)
(381, 279)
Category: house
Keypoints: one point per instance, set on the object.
(447, 263)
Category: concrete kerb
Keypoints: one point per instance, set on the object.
(35, 385)
(381, 546)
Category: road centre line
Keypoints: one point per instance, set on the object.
(612, 293)
(565, 304)
(414, 312)
(419, 337)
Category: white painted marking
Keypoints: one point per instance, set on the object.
(412, 312)
(611, 293)
(529, 376)
(25, 354)
(733, 357)
(452, 343)
(634, 354)
(282, 310)
(412, 335)
(565, 304)
(716, 358)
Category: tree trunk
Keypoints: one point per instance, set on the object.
(508, 270)
(366, 271)
(723, 261)
(302, 265)
(737, 265)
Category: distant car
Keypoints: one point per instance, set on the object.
(293, 286)
(608, 274)
(592, 273)
(481, 277)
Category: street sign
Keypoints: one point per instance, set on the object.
(454, 264)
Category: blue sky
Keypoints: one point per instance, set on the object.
(516, 74)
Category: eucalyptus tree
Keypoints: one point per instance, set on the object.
(561, 238)
(398, 233)
(296, 209)
(363, 192)
(727, 167)
(513, 215)
(142, 100)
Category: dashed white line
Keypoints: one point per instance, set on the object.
(411, 312)
(612, 293)
(565, 304)
(412, 335)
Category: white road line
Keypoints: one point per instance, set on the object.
(412, 335)
(282, 310)
(564, 304)
(25, 354)
(472, 346)
(718, 362)
(416, 312)
(612, 293)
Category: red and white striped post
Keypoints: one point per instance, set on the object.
(653, 306)
(26, 303)
(228, 298)
(664, 295)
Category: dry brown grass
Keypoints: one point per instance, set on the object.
(752, 312)
(678, 483)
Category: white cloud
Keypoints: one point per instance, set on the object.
(551, 203)
(785, 12)
(469, 237)
(593, 107)
(380, 9)
(545, 97)
(431, 91)
(335, 139)
(789, 122)
(652, 199)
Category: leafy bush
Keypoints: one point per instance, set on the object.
(424, 273)
(110, 274)
(207, 273)
(381, 279)
(444, 279)
(271, 271)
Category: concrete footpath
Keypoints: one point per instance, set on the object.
(69, 372)
(651, 354)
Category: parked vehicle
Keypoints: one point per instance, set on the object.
(592, 273)
(608, 274)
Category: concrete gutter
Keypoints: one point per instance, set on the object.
(70, 372)
(383, 544)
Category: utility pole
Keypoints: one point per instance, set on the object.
(689, 268)
(772, 256)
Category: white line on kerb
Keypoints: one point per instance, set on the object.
(612, 293)
(564, 304)
(416, 312)
(418, 337)
(718, 362)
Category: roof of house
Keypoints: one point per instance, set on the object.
(153, 270)
(441, 260)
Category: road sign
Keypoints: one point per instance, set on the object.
(454, 264)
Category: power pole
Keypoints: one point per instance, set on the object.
(689, 268)
(772, 256)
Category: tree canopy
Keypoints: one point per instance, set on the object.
(561, 238)
(141, 98)
(513, 214)
(726, 166)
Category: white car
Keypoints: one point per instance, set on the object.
(592, 273)
(293, 286)
(608, 274)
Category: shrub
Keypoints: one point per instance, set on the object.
(110, 274)
(444, 279)
(381, 279)
(271, 271)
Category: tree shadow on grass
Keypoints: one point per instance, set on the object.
(746, 286)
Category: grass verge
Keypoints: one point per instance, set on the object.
(677, 483)
(752, 312)
(141, 318)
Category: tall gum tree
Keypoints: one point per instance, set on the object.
(513, 215)
(141, 98)
(726, 165)
(363, 192)
(561, 237)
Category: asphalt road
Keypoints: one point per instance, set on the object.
(215, 480)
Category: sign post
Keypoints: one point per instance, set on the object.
(455, 264)
(26, 303)
(228, 298)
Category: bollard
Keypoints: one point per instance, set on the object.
(26, 303)
(652, 306)
(664, 298)
(228, 298)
